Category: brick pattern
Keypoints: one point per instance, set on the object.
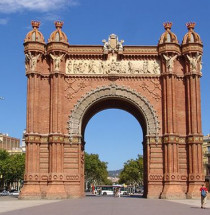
(59, 106)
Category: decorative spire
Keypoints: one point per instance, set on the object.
(191, 36)
(168, 36)
(167, 25)
(58, 35)
(34, 34)
(58, 24)
(190, 25)
(35, 24)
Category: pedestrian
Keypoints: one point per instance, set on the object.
(93, 189)
(204, 192)
(119, 192)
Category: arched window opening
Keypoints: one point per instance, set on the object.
(168, 39)
(33, 37)
(192, 38)
(57, 37)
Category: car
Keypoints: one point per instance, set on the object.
(5, 193)
(14, 193)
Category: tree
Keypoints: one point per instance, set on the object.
(132, 172)
(11, 167)
(95, 170)
(4, 155)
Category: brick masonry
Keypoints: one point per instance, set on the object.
(59, 106)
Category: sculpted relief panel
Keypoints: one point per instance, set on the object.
(112, 66)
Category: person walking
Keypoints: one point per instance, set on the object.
(204, 192)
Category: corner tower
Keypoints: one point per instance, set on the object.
(192, 49)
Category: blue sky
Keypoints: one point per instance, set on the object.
(88, 22)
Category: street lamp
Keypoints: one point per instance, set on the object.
(1, 176)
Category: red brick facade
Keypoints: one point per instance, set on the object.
(68, 84)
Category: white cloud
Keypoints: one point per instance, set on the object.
(4, 21)
(51, 17)
(10, 6)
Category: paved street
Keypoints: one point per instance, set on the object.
(101, 205)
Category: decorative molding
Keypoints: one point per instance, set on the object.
(112, 66)
(117, 92)
(155, 177)
(72, 89)
(152, 90)
(195, 139)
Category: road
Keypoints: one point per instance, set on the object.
(96, 205)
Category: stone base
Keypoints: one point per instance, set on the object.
(173, 191)
(30, 191)
(194, 191)
(56, 191)
(153, 191)
(74, 191)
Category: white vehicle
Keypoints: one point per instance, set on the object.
(15, 193)
(105, 190)
(110, 190)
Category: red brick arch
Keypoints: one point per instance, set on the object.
(117, 93)
(68, 84)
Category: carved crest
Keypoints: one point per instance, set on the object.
(113, 41)
(113, 45)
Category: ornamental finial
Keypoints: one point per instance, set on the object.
(58, 24)
(35, 24)
(167, 25)
(190, 25)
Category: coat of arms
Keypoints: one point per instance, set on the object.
(113, 44)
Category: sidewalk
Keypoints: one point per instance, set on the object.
(8, 203)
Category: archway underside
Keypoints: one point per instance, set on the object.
(110, 103)
(118, 97)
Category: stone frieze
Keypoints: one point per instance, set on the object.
(112, 66)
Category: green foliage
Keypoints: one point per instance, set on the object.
(95, 170)
(11, 167)
(132, 172)
(3, 155)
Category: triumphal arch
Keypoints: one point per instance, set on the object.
(68, 84)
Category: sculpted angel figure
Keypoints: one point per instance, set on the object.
(32, 60)
(194, 62)
(56, 61)
(170, 62)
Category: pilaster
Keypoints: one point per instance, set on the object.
(56, 189)
(169, 53)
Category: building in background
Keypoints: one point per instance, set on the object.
(23, 146)
(206, 158)
(10, 144)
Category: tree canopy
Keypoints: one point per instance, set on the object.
(11, 167)
(132, 172)
(95, 169)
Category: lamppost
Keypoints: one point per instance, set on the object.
(1, 176)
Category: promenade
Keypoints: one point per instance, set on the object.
(101, 206)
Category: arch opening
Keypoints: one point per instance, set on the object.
(116, 137)
(114, 96)
(113, 103)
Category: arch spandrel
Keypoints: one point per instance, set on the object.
(113, 92)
